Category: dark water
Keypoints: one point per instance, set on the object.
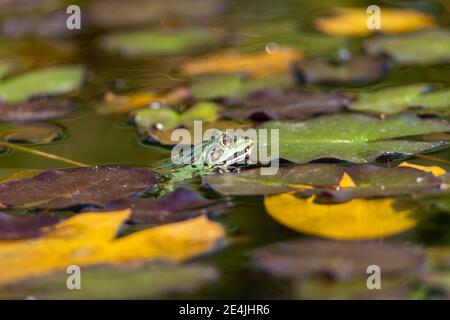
(95, 139)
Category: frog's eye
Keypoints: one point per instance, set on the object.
(227, 141)
(214, 154)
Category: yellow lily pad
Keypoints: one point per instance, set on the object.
(353, 21)
(352, 220)
(91, 238)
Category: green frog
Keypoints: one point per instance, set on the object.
(221, 153)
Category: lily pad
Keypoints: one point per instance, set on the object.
(235, 85)
(358, 69)
(35, 110)
(139, 43)
(50, 81)
(398, 99)
(343, 261)
(427, 47)
(285, 104)
(353, 137)
(324, 179)
(34, 134)
(58, 189)
(21, 227)
(152, 281)
(167, 118)
(181, 204)
(122, 13)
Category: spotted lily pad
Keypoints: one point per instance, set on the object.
(35, 110)
(353, 137)
(286, 104)
(427, 47)
(20, 227)
(358, 69)
(181, 204)
(50, 81)
(397, 99)
(139, 43)
(151, 281)
(80, 186)
(167, 118)
(324, 179)
(302, 259)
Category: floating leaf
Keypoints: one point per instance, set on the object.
(397, 99)
(181, 204)
(50, 81)
(286, 104)
(35, 110)
(341, 182)
(428, 47)
(353, 137)
(235, 85)
(164, 137)
(358, 69)
(167, 118)
(302, 259)
(90, 238)
(259, 64)
(80, 186)
(20, 227)
(353, 220)
(353, 21)
(141, 12)
(34, 134)
(137, 43)
(15, 173)
(119, 283)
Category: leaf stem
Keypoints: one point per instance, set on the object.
(42, 154)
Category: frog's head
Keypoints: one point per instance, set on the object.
(224, 149)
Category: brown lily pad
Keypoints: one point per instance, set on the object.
(58, 189)
(302, 259)
(286, 104)
(20, 227)
(35, 110)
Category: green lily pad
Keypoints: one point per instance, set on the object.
(119, 283)
(235, 85)
(166, 118)
(398, 99)
(138, 43)
(353, 137)
(427, 47)
(50, 81)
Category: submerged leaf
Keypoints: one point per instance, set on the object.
(34, 134)
(428, 47)
(50, 81)
(152, 281)
(90, 238)
(259, 64)
(137, 43)
(353, 220)
(354, 21)
(344, 261)
(353, 137)
(80, 186)
(179, 205)
(285, 104)
(35, 110)
(397, 99)
(20, 227)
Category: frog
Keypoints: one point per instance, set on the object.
(222, 152)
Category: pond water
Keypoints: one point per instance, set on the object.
(110, 139)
